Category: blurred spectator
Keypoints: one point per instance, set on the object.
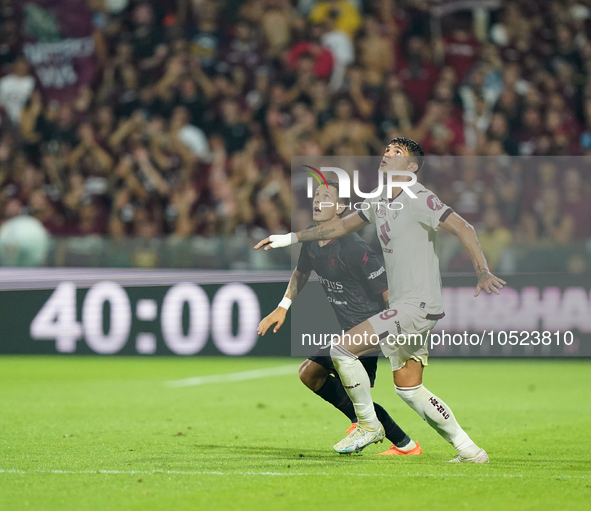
(460, 48)
(310, 58)
(376, 52)
(191, 136)
(243, 51)
(548, 222)
(577, 203)
(418, 73)
(206, 37)
(340, 45)
(15, 89)
(149, 48)
(231, 128)
(468, 190)
(345, 14)
(493, 237)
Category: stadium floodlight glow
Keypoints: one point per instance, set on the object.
(345, 183)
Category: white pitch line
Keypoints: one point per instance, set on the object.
(288, 474)
(232, 377)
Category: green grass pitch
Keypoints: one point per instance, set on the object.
(112, 434)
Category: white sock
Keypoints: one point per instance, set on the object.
(356, 382)
(439, 416)
(408, 447)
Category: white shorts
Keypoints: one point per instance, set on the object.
(403, 330)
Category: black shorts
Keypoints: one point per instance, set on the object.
(324, 360)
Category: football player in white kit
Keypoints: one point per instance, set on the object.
(407, 235)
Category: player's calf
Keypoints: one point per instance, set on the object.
(440, 417)
(319, 380)
(357, 385)
(312, 375)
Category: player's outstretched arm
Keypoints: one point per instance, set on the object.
(336, 228)
(455, 224)
(277, 317)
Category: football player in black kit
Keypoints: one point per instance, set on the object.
(356, 286)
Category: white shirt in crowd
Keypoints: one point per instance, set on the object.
(341, 47)
(14, 93)
(195, 140)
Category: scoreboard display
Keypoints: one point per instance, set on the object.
(139, 313)
(189, 313)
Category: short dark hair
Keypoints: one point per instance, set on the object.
(413, 148)
(344, 200)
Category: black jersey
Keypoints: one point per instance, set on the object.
(352, 276)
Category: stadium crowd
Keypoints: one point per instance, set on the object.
(188, 125)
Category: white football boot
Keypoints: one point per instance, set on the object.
(481, 457)
(359, 439)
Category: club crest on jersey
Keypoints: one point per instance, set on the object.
(381, 210)
(332, 262)
(434, 203)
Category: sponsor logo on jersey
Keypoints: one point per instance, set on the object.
(377, 273)
(365, 258)
(337, 302)
(330, 285)
(398, 327)
(434, 203)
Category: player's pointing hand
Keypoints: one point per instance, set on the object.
(263, 243)
(488, 282)
(277, 241)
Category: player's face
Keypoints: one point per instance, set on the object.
(395, 158)
(326, 196)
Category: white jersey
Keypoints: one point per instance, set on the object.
(408, 238)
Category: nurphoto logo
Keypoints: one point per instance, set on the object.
(345, 187)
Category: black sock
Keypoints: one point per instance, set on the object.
(393, 432)
(334, 392)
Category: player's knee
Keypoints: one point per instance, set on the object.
(309, 372)
(341, 356)
(312, 375)
(305, 372)
(401, 391)
(407, 394)
(338, 351)
(410, 375)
